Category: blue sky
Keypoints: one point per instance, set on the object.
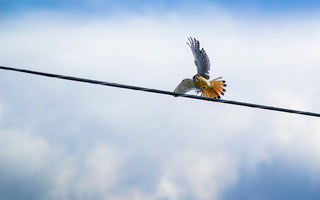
(140, 5)
(80, 141)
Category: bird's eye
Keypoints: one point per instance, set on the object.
(196, 77)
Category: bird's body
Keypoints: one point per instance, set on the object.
(213, 88)
(200, 82)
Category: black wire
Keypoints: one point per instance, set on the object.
(160, 91)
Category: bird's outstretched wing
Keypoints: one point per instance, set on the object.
(201, 58)
(187, 85)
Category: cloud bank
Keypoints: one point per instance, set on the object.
(65, 140)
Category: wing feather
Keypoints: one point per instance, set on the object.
(201, 58)
(187, 85)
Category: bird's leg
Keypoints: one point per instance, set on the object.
(197, 92)
(218, 78)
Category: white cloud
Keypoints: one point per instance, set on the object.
(298, 140)
(200, 176)
(25, 158)
(21, 149)
(102, 166)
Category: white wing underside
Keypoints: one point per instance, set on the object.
(187, 85)
(201, 58)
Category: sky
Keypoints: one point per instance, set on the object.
(69, 140)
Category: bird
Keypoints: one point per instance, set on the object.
(200, 81)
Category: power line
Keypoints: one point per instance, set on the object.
(160, 91)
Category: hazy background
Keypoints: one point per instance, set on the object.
(69, 140)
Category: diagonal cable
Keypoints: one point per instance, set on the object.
(71, 78)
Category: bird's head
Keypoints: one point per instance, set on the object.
(196, 77)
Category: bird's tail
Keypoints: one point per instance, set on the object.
(216, 89)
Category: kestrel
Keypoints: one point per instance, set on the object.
(200, 82)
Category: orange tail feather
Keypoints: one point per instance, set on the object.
(216, 89)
